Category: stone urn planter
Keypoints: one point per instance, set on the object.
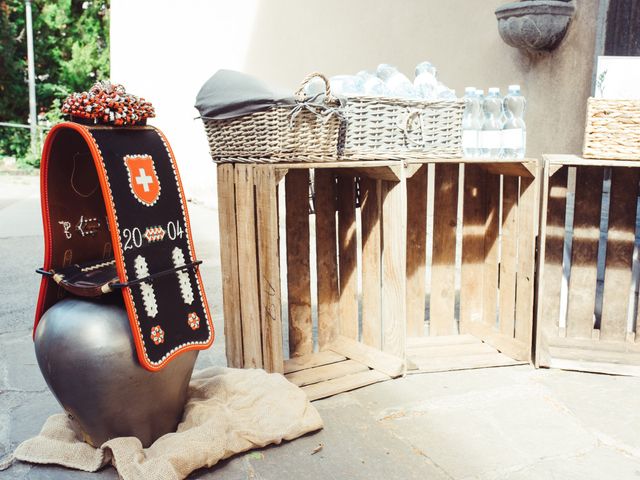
(534, 25)
(87, 356)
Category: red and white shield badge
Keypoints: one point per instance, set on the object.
(143, 180)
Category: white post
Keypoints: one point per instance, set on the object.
(33, 117)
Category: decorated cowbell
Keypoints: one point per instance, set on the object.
(122, 309)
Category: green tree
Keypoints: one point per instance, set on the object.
(71, 44)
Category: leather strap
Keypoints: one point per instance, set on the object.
(115, 216)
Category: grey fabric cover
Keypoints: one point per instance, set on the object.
(229, 94)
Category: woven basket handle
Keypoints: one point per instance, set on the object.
(328, 97)
(404, 123)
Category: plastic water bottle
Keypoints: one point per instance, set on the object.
(469, 123)
(445, 93)
(514, 132)
(398, 85)
(426, 81)
(345, 85)
(491, 134)
(479, 118)
(314, 87)
(371, 84)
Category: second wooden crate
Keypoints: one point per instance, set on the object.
(589, 266)
(470, 278)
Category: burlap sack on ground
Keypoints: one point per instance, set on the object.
(228, 411)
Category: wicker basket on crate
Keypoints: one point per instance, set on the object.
(612, 129)
(353, 128)
(302, 132)
(383, 128)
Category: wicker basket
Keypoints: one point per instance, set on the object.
(304, 132)
(380, 128)
(612, 129)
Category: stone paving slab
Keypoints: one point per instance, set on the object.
(597, 464)
(475, 433)
(606, 404)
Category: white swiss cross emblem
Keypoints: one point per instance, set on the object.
(142, 178)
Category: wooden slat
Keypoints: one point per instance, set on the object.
(377, 173)
(419, 342)
(298, 274)
(594, 366)
(587, 344)
(347, 251)
(527, 223)
(586, 228)
(473, 228)
(394, 258)
(612, 357)
(395, 164)
(416, 251)
(229, 265)
(508, 265)
(370, 209)
(517, 169)
(621, 238)
(312, 360)
(450, 350)
(406, 170)
(326, 257)
(369, 356)
(466, 362)
(442, 304)
(491, 244)
(593, 353)
(563, 159)
(248, 267)
(269, 268)
(342, 164)
(325, 372)
(554, 197)
(510, 346)
(343, 384)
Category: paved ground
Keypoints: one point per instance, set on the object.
(503, 423)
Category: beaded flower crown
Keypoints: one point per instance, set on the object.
(108, 103)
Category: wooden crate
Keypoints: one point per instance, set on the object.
(589, 269)
(324, 356)
(329, 298)
(480, 274)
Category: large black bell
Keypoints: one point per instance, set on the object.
(87, 355)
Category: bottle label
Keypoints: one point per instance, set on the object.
(469, 139)
(512, 138)
(490, 139)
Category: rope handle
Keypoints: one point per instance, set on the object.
(328, 97)
(403, 122)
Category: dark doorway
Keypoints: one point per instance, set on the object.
(623, 28)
